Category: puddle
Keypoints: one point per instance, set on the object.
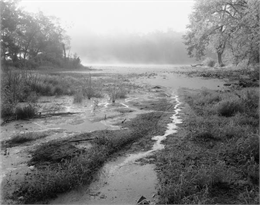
(176, 81)
(55, 127)
(124, 180)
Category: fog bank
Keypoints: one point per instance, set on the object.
(131, 48)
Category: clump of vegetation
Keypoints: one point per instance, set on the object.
(26, 112)
(78, 97)
(209, 62)
(217, 160)
(117, 92)
(23, 138)
(229, 108)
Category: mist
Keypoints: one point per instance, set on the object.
(158, 47)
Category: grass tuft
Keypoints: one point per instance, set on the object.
(228, 108)
(78, 97)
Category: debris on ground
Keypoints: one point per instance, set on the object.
(143, 200)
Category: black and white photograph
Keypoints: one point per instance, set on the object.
(129, 102)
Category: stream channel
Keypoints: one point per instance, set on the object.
(124, 180)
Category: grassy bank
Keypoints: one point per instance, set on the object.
(250, 76)
(214, 157)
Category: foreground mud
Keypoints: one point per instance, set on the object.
(127, 178)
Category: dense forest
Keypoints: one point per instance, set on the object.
(33, 40)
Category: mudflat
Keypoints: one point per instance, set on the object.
(129, 133)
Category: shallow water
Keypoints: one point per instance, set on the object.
(124, 180)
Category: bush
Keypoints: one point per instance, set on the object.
(25, 112)
(7, 110)
(229, 108)
(209, 62)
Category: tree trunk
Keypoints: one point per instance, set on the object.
(220, 63)
(64, 51)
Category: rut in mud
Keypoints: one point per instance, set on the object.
(125, 179)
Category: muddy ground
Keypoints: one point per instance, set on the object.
(130, 173)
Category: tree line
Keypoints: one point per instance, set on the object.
(33, 40)
(230, 28)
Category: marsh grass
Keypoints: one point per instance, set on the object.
(24, 86)
(78, 97)
(217, 160)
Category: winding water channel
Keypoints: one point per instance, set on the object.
(124, 180)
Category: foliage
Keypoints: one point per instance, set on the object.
(32, 40)
(25, 112)
(229, 108)
(209, 62)
(226, 25)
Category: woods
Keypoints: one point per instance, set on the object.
(230, 28)
(33, 40)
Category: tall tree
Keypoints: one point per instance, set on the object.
(31, 39)
(10, 30)
(217, 24)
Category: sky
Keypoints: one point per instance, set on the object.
(80, 17)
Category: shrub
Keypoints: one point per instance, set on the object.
(7, 110)
(25, 112)
(209, 62)
(228, 108)
(250, 98)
